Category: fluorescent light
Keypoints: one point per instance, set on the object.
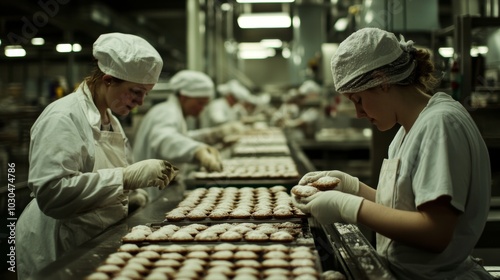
(64, 48)
(76, 47)
(341, 24)
(474, 51)
(265, 1)
(37, 41)
(265, 20)
(256, 53)
(14, 51)
(446, 51)
(271, 43)
(250, 46)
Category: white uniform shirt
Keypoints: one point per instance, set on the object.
(163, 134)
(217, 112)
(442, 155)
(73, 203)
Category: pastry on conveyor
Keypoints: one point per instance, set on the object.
(131, 248)
(281, 236)
(332, 275)
(231, 236)
(167, 263)
(301, 262)
(109, 268)
(270, 272)
(150, 255)
(275, 263)
(304, 270)
(256, 235)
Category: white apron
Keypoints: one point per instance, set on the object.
(51, 238)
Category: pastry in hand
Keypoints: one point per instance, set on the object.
(325, 183)
(301, 191)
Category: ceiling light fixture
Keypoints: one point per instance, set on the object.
(256, 54)
(271, 43)
(37, 41)
(76, 48)
(264, 20)
(14, 51)
(446, 51)
(64, 48)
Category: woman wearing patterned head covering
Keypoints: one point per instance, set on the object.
(432, 199)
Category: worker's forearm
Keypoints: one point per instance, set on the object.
(367, 192)
(412, 228)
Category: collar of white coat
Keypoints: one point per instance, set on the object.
(89, 107)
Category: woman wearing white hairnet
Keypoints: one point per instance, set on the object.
(432, 198)
(79, 171)
(163, 132)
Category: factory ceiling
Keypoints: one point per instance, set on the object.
(163, 23)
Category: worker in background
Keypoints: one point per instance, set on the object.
(222, 110)
(293, 113)
(80, 170)
(163, 132)
(432, 200)
(254, 108)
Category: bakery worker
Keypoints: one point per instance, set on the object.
(222, 109)
(80, 170)
(432, 199)
(294, 115)
(163, 132)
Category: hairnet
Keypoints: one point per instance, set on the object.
(371, 49)
(308, 87)
(234, 87)
(127, 57)
(193, 84)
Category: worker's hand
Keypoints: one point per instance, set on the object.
(232, 128)
(331, 206)
(138, 198)
(148, 173)
(209, 158)
(348, 184)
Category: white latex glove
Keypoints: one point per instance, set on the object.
(231, 128)
(331, 207)
(138, 198)
(348, 184)
(209, 158)
(148, 173)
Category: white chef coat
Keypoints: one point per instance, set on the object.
(74, 178)
(163, 134)
(442, 154)
(217, 112)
